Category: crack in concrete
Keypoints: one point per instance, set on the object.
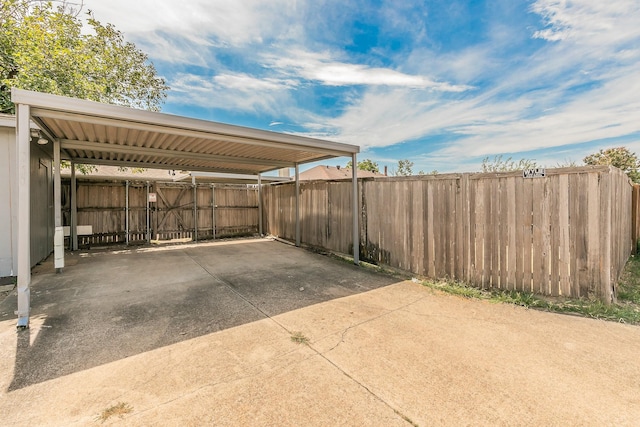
(332, 363)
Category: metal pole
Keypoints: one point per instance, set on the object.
(74, 209)
(213, 211)
(126, 212)
(23, 157)
(195, 208)
(297, 205)
(355, 209)
(58, 236)
(260, 204)
(148, 217)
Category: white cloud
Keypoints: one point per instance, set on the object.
(202, 22)
(230, 91)
(322, 68)
(593, 22)
(582, 87)
(246, 83)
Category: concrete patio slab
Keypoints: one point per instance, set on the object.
(387, 353)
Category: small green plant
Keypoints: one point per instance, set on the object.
(299, 338)
(119, 409)
(626, 311)
(629, 284)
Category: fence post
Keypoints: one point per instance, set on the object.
(635, 217)
(355, 209)
(605, 293)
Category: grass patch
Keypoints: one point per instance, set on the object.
(629, 283)
(119, 409)
(627, 310)
(299, 338)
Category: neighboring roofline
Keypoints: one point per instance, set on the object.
(48, 104)
(7, 120)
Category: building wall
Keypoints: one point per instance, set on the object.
(42, 226)
(8, 265)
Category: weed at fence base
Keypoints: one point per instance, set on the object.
(623, 312)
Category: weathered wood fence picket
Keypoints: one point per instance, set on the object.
(119, 212)
(566, 234)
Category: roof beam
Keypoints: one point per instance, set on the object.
(164, 166)
(252, 177)
(69, 144)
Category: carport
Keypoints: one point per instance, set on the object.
(93, 133)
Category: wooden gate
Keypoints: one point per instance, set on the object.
(173, 213)
(119, 212)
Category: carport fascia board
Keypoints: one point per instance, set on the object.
(55, 106)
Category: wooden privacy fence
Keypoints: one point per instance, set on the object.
(566, 234)
(118, 211)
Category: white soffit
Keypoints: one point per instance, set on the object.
(94, 133)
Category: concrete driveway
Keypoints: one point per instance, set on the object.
(201, 335)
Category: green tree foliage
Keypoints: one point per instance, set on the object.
(83, 169)
(365, 165)
(43, 48)
(404, 168)
(619, 157)
(498, 164)
(567, 163)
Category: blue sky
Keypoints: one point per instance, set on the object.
(443, 83)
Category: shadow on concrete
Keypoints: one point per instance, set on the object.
(110, 305)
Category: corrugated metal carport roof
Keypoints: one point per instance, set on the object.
(95, 133)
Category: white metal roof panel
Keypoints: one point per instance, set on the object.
(95, 133)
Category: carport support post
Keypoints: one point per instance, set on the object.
(148, 218)
(297, 205)
(23, 138)
(355, 209)
(74, 210)
(58, 236)
(213, 211)
(195, 208)
(126, 211)
(260, 204)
